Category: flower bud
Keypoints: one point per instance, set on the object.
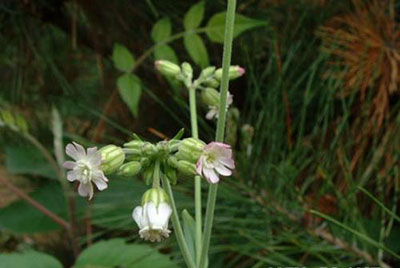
(148, 174)
(167, 68)
(112, 157)
(130, 169)
(155, 195)
(186, 168)
(149, 149)
(190, 149)
(187, 70)
(170, 172)
(234, 72)
(211, 82)
(210, 96)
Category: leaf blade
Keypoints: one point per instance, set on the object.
(130, 90)
(194, 16)
(122, 58)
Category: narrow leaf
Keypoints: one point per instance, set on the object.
(194, 16)
(216, 25)
(130, 90)
(122, 58)
(161, 30)
(196, 49)
(189, 230)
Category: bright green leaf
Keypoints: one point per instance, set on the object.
(161, 30)
(117, 253)
(130, 90)
(31, 259)
(216, 26)
(189, 230)
(194, 16)
(196, 49)
(165, 52)
(122, 58)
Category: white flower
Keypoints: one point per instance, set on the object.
(214, 110)
(215, 160)
(153, 220)
(85, 169)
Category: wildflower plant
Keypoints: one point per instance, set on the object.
(163, 163)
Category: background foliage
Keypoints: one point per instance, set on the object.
(315, 130)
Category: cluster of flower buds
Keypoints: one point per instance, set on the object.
(208, 81)
(189, 157)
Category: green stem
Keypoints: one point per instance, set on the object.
(156, 175)
(197, 179)
(226, 62)
(177, 225)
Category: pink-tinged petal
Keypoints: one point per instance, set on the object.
(71, 151)
(227, 162)
(100, 183)
(85, 189)
(210, 175)
(80, 149)
(223, 170)
(93, 156)
(71, 176)
(199, 165)
(69, 164)
(218, 145)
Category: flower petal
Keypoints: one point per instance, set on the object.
(100, 180)
(222, 170)
(210, 175)
(69, 164)
(94, 157)
(72, 176)
(137, 215)
(227, 162)
(80, 149)
(71, 151)
(164, 212)
(85, 189)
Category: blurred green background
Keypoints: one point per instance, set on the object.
(314, 126)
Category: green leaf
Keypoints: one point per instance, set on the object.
(130, 90)
(122, 58)
(31, 259)
(196, 49)
(117, 253)
(216, 26)
(165, 52)
(28, 160)
(20, 217)
(161, 30)
(189, 230)
(194, 16)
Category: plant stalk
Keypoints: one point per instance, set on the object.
(226, 62)
(177, 225)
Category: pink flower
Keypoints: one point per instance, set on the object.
(215, 160)
(85, 169)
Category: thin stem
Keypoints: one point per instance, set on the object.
(226, 62)
(197, 179)
(156, 175)
(177, 225)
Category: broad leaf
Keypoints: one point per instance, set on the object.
(117, 253)
(194, 16)
(196, 49)
(28, 160)
(31, 259)
(20, 217)
(216, 26)
(161, 30)
(122, 58)
(165, 52)
(130, 90)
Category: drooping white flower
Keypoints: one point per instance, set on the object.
(153, 220)
(85, 169)
(214, 109)
(215, 160)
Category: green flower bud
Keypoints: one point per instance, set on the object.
(210, 96)
(207, 72)
(186, 168)
(148, 174)
(187, 70)
(155, 195)
(170, 172)
(211, 82)
(112, 157)
(130, 169)
(234, 72)
(190, 150)
(167, 68)
(149, 149)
